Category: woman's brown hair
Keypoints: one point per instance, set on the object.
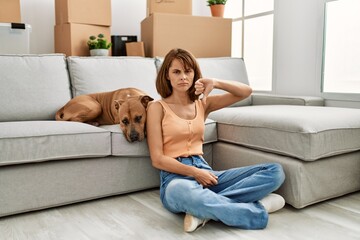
(163, 85)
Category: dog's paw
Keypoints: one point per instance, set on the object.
(96, 124)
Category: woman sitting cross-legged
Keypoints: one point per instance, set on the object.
(239, 197)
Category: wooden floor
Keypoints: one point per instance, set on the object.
(141, 216)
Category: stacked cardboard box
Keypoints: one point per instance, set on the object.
(135, 49)
(169, 6)
(76, 20)
(203, 36)
(10, 11)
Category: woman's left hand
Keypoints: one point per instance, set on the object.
(204, 86)
(205, 177)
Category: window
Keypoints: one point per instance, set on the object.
(341, 51)
(252, 38)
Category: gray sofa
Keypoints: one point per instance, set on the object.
(45, 163)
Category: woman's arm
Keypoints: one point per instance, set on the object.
(163, 162)
(235, 91)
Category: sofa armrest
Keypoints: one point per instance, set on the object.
(270, 99)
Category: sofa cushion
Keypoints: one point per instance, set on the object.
(120, 147)
(34, 87)
(228, 68)
(36, 141)
(305, 132)
(102, 74)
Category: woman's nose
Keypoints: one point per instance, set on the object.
(183, 76)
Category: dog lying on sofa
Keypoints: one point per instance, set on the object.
(126, 106)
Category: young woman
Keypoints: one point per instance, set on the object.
(238, 197)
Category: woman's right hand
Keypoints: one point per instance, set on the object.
(205, 177)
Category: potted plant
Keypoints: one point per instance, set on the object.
(98, 46)
(217, 7)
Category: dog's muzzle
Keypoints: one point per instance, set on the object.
(134, 136)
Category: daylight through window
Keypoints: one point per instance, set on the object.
(252, 38)
(341, 62)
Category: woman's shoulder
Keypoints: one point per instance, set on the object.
(155, 105)
(154, 112)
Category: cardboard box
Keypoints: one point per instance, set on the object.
(203, 36)
(96, 12)
(169, 6)
(71, 38)
(135, 49)
(10, 11)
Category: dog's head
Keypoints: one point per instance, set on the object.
(132, 116)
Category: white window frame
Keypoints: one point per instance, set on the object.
(331, 95)
(242, 19)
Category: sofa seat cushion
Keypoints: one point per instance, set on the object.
(121, 147)
(33, 87)
(36, 141)
(305, 132)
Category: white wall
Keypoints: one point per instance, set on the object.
(40, 14)
(298, 46)
(126, 17)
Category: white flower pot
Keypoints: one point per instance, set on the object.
(99, 52)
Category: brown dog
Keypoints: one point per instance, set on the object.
(126, 106)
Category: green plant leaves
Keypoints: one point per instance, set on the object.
(98, 43)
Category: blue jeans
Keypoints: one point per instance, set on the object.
(233, 201)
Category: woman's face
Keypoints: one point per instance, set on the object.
(180, 78)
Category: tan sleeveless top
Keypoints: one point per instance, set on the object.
(181, 137)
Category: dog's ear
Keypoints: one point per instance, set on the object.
(145, 100)
(118, 103)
